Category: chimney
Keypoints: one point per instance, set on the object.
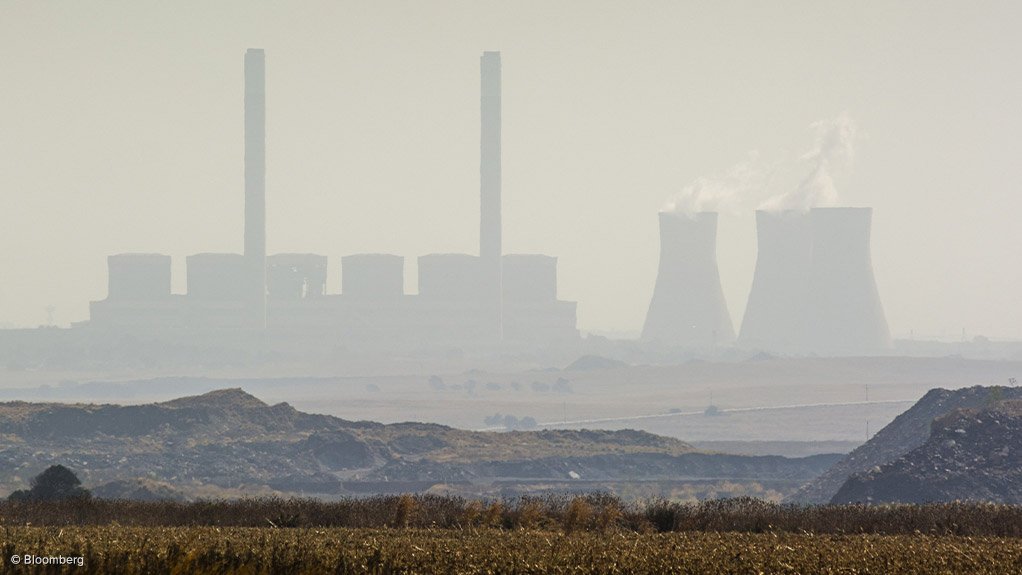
(255, 182)
(775, 314)
(489, 188)
(688, 307)
(845, 316)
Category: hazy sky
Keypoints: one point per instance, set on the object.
(121, 127)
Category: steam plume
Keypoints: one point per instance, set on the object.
(833, 153)
(721, 192)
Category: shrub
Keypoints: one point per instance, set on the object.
(405, 509)
(54, 484)
(577, 515)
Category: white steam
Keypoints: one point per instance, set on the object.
(721, 192)
(833, 153)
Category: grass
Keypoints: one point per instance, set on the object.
(593, 512)
(595, 533)
(118, 550)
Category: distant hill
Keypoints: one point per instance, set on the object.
(971, 454)
(907, 432)
(228, 442)
(138, 490)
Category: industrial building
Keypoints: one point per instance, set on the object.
(813, 289)
(489, 299)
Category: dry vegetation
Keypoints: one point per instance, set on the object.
(592, 512)
(134, 550)
(590, 534)
(470, 447)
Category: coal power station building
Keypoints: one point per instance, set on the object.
(491, 298)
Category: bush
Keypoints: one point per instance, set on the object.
(55, 484)
(577, 515)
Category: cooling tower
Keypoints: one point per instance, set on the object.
(688, 307)
(489, 187)
(255, 184)
(775, 318)
(845, 316)
(373, 276)
(138, 276)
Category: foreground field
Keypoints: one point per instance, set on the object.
(593, 512)
(135, 550)
(595, 533)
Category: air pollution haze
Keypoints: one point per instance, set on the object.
(123, 130)
(508, 279)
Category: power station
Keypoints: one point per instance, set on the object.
(487, 299)
(813, 290)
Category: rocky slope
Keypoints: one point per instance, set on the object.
(907, 432)
(228, 442)
(971, 454)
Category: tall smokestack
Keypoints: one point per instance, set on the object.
(688, 307)
(255, 181)
(775, 314)
(844, 309)
(489, 187)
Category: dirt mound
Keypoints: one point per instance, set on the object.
(971, 454)
(234, 397)
(907, 432)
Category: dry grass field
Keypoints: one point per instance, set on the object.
(429, 534)
(133, 550)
